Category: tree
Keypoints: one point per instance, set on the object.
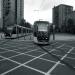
(22, 23)
(71, 26)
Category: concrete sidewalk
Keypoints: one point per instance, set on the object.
(63, 37)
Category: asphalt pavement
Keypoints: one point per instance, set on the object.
(23, 57)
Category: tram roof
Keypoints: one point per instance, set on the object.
(41, 22)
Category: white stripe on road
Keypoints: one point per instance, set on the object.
(49, 72)
(24, 65)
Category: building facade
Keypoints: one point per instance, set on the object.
(12, 12)
(1, 20)
(60, 13)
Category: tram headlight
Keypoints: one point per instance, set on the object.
(46, 38)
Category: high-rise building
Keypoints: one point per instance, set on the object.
(1, 22)
(59, 14)
(12, 12)
(19, 10)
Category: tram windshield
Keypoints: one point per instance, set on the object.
(42, 27)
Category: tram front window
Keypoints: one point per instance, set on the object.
(43, 27)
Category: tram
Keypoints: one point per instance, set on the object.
(41, 32)
(8, 31)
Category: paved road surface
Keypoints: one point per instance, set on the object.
(23, 57)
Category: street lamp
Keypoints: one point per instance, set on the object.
(53, 32)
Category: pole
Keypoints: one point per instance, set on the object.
(24, 33)
(16, 31)
(53, 32)
(21, 30)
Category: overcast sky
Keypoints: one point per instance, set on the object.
(0, 8)
(42, 9)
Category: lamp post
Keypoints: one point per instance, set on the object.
(53, 32)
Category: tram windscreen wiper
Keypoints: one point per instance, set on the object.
(62, 61)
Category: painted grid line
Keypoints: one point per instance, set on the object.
(17, 48)
(17, 66)
(49, 72)
(20, 53)
(23, 64)
(26, 63)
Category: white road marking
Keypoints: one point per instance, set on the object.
(41, 58)
(70, 57)
(49, 72)
(35, 69)
(19, 66)
(4, 51)
(15, 49)
(61, 46)
(20, 52)
(24, 64)
(19, 44)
